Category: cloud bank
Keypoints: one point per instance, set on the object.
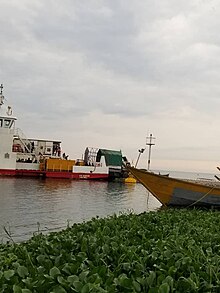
(108, 73)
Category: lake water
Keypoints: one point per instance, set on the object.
(30, 205)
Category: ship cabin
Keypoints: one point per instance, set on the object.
(32, 150)
(7, 127)
(7, 123)
(103, 157)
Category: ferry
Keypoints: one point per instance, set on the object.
(22, 156)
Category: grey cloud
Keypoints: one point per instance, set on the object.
(145, 62)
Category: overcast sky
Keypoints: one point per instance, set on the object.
(106, 74)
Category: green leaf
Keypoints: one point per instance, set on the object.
(124, 281)
(160, 279)
(151, 278)
(57, 260)
(54, 272)
(105, 248)
(26, 291)
(61, 280)
(126, 266)
(78, 286)
(8, 274)
(22, 271)
(17, 289)
(164, 288)
(83, 275)
(172, 270)
(41, 258)
(72, 279)
(28, 282)
(106, 230)
(85, 289)
(209, 251)
(59, 289)
(41, 270)
(168, 254)
(67, 269)
(152, 290)
(169, 280)
(136, 286)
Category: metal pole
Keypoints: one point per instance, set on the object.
(148, 163)
(149, 143)
(140, 152)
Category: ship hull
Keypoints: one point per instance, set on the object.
(48, 174)
(175, 192)
(7, 172)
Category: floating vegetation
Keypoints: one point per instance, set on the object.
(166, 251)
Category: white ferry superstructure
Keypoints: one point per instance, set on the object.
(20, 156)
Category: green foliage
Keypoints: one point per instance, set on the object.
(166, 251)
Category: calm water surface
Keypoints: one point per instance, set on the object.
(31, 205)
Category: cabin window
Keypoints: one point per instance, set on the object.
(1, 122)
(7, 156)
(48, 150)
(7, 123)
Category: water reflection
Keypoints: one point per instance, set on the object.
(26, 202)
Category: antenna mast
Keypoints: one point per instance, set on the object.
(149, 141)
(1, 96)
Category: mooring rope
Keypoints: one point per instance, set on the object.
(198, 200)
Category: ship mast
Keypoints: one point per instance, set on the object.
(150, 142)
(1, 96)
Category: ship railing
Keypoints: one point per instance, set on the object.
(24, 141)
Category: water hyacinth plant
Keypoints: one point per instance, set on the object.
(166, 251)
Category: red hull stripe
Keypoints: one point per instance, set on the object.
(7, 172)
(71, 175)
(38, 173)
